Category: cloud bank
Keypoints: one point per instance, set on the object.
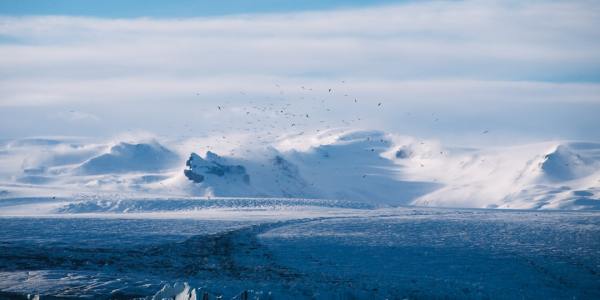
(461, 56)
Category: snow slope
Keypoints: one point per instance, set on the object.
(340, 165)
(374, 167)
(125, 157)
(545, 175)
(369, 167)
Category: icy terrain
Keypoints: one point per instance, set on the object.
(237, 150)
(298, 253)
(369, 167)
(340, 214)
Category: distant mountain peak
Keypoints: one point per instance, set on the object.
(126, 157)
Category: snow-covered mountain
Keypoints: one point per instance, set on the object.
(126, 158)
(544, 175)
(370, 167)
(338, 165)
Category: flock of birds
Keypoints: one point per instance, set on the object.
(270, 117)
(294, 111)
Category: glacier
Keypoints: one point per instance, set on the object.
(312, 253)
(339, 214)
(363, 166)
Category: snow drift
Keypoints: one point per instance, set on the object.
(125, 157)
(348, 166)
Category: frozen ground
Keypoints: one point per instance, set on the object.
(340, 214)
(299, 251)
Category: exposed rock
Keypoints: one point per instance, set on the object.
(199, 168)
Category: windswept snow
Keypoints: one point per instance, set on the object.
(125, 157)
(307, 216)
(349, 166)
(362, 166)
(543, 175)
(571, 161)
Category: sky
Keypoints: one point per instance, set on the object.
(451, 70)
(172, 9)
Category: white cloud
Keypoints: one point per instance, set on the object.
(454, 52)
(76, 116)
(143, 88)
(473, 39)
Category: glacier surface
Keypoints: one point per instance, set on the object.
(322, 254)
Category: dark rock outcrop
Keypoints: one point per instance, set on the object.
(198, 168)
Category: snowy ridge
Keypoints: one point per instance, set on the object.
(170, 204)
(340, 165)
(544, 175)
(125, 157)
(571, 161)
(352, 166)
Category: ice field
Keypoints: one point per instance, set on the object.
(338, 215)
(304, 251)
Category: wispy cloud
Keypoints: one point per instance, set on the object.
(76, 116)
(467, 51)
(539, 41)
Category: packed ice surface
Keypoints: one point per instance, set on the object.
(324, 254)
(363, 166)
(336, 215)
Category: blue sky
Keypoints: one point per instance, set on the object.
(443, 69)
(169, 9)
